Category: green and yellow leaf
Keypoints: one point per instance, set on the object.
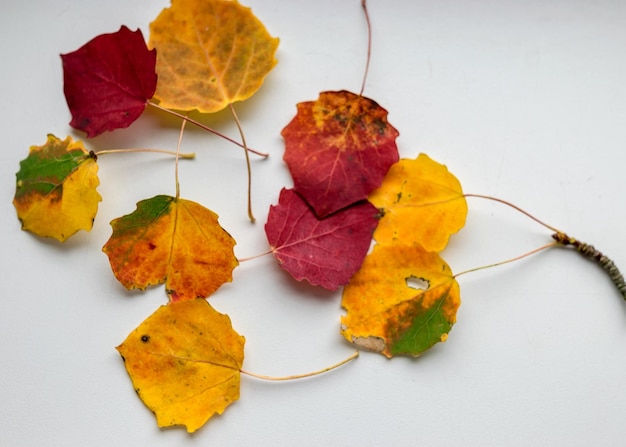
(55, 194)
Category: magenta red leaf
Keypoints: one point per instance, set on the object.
(338, 149)
(108, 81)
(325, 252)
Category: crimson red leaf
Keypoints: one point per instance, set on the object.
(338, 149)
(325, 252)
(108, 81)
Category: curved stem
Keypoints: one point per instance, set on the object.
(245, 146)
(301, 376)
(187, 156)
(207, 128)
(515, 207)
(369, 45)
(517, 258)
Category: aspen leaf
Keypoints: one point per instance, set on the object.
(108, 81)
(210, 53)
(338, 149)
(386, 314)
(184, 361)
(55, 194)
(175, 241)
(325, 252)
(421, 202)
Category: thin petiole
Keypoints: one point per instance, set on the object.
(515, 207)
(180, 139)
(188, 156)
(517, 258)
(207, 128)
(245, 147)
(302, 376)
(369, 45)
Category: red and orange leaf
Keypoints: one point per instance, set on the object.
(210, 53)
(184, 361)
(338, 149)
(55, 194)
(325, 252)
(175, 241)
(108, 81)
(421, 202)
(386, 314)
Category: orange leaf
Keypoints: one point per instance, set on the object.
(184, 361)
(55, 194)
(210, 53)
(386, 314)
(175, 241)
(422, 203)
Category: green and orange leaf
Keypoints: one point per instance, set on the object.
(422, 202)
(184, 361)
(55, 194)
(386, 314)
(210, 53)
(175, 241)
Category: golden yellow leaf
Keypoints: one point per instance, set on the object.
(55, 193)
(184, 361)
(210, 53)
(422, 203)
(387, 314)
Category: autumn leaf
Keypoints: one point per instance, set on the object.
(184, 361)
(175, 241)
(422, 202)
(210, 53)
(55, 194)
(325, 252)
(386, 314)
(108, 81)
(338, 149)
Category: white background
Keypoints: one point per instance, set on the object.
(521, 100)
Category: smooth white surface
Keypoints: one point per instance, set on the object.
(521, 100)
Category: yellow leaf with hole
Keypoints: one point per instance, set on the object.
(421, 201)
(402, 301)
(184, 361)
(210, 53)
(55, 194)
(171, 240)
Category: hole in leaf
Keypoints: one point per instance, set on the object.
(417, 283)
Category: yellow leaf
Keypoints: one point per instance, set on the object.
(55, 193)
(422, 203)
(387, 314)
(171, 240)
(184, 361)
(210, 53)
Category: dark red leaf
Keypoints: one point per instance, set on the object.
(108, 81)
(338, 149)
(325, 252)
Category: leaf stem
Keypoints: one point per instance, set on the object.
(301, 376)
(515, 207)
(187, 156)
(245, 147)
(207, 128)
(180, 139)
(250, 258)
(369, 45)
(517, 258)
